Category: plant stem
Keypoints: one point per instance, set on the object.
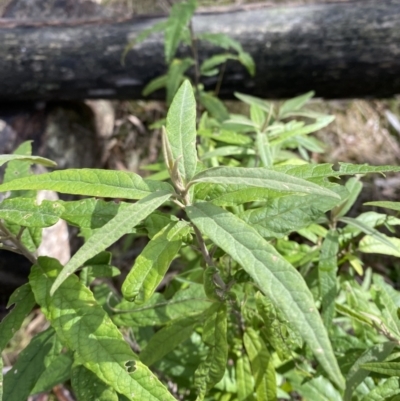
(17, 243)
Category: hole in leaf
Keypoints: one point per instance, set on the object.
(130, 366)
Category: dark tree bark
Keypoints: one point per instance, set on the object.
(343, 49)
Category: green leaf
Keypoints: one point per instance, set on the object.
(231, 137)
(152, 264)
(275, 277)
(214, 106)
(88, 387)
(260, 177)
(83, 325)
(327, 271)
(168, 338)
(385, 204)
(244, 378)
(261, 365)
(368, 230)
(21, 379)
(31, 159)
(384, 368)
(19, 169)
(371, 244)
(175, 76)
(181, 131)
(228, 151)
(385, 391)
(316, 389)
(354, 187)
(251, 100)
(248, 61)
(221, 40)
(302, 130)
(357, 374)
(91, 213)
(90, 182)
(283, 214)
(385, 302)
(155, 84)
(211, 371)
(141, 37)
(159, 311)
(24, 303)
(179, 18)
(121, 224)
(215, 60)
(58, 371)
(27, 212)
(295, 104)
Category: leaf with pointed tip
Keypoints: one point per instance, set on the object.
(320, 171)
(21, 379)
(384, 391)
(180, 15)
(181, 131)
(90, 182)
(24, 303)
(58, 371)
(327, 271)
(86, 329)
(211, 371)
(260, 177)
(261, 365)
(370, 244)
(245, 380)
(27, 212)
(295, 103)
(385, 204)
(32, 159)
(120, 225)
(168, 338)
(357, 374)
(368, 230)
(275, 277)
(152, 264)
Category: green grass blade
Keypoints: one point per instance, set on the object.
(275, 277)
(86, 329)
(120, 225)
(90, 182)
(260, 177)
(181, 131)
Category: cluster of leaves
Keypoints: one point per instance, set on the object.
(250, 313)
(269, 298)
(178, 30)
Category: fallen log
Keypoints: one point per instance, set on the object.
(340, 50)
